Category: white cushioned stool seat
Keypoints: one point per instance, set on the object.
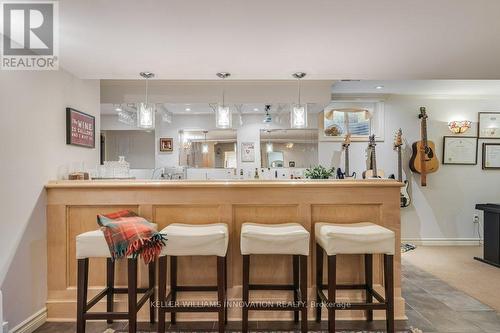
(196, 239)
(354, 238)
(92, 244)
(285, 238)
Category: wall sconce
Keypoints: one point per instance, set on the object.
(459, 126)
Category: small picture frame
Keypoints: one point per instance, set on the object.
(166, 145)
(248, 152)
(489, 125)
(460, 150)
(491, 156)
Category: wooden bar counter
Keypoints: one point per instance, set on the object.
(72, 207)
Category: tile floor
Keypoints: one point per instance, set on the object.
(432, 306)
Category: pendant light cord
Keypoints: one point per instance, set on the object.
(298, 89)
(147, 102)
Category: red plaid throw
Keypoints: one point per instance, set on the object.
(128, 234)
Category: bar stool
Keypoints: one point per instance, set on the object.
(192, 240)
(287, 238)
(92, 244)
(355, 238)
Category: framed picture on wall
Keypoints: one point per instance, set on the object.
(491, 156)
(247, 152)
(460, 150)
(166, 145)
(489, 125)
(80, 129)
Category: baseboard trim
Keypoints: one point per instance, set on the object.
(443, 241)
(32, 323)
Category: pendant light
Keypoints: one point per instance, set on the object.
(298, 115)
(145, 110)
(223, 116)
(204, 146)
(267, 118)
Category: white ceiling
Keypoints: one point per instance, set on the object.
(261, 39)
(420, 87)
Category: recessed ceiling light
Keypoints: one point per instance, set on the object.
(256, 109)
(188, 109)
(118, 109)
(379, 87)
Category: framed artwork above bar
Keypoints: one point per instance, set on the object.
(80, 129)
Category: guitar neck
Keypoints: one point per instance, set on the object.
(347, 161)
(374, 162)
(400, 165)
(424, 131)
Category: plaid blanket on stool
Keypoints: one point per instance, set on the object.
(128, 234)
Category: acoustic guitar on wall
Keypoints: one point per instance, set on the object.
(423, 159)
(372, 171)
(346, 174)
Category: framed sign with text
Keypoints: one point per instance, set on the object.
(80, 129)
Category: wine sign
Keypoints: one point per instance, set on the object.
(80, 129)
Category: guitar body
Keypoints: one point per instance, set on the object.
(371, 174)
(405, 200)
(424, 159)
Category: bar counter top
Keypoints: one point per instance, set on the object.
(223, 183)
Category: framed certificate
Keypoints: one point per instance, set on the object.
(491, 156)
(247, 152)
(489, 125)
(460, 150)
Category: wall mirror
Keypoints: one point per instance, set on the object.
(294, 148)
(208, 149)
(138, 147)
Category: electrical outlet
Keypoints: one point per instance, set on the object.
(475, 218)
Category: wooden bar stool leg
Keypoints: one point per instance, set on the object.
(296, 286)
(369, 283)
(110, 284)
(225, 291)
(152, 280)
(132, 294)
(319, 281)
(303, 291)
(83, 274)
(162, 290)
(389, 291)
(246, 281)
(332, 280)
(221, 292)
(173, 286)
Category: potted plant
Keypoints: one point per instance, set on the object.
(319, 172)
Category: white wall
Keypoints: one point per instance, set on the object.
(444, 208)
(33, 151)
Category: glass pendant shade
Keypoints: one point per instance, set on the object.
(223, 117)
(298, 116)
(146, 115)
(204, 148)
(269, 147)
